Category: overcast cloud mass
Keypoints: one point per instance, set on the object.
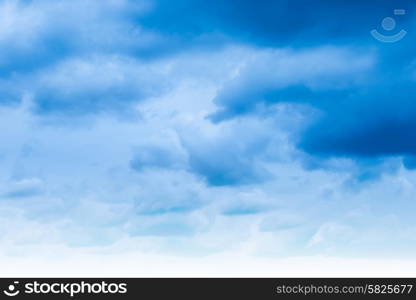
(193, 128)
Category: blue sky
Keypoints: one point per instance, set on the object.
(193, 128)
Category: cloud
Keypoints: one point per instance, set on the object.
(258, 129)
(273, 76)
(353, 80)
(23, 188)
(228, 155)
(271, 23)
(357, 110)
(370, 125)
(35, 34)
(74, 57)
(95, 84)
(164, 192)
(165, 153)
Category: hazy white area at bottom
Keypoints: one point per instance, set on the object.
(224, 265)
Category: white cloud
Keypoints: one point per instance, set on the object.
(133, 264)
(91, 196)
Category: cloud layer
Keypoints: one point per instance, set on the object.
(262, 128)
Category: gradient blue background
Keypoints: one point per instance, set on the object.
(191, 127)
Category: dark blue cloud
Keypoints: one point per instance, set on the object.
(363, 122)
(410, 162)
(376, 119)
(378, 124)
(366, 113)
(271, 22)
